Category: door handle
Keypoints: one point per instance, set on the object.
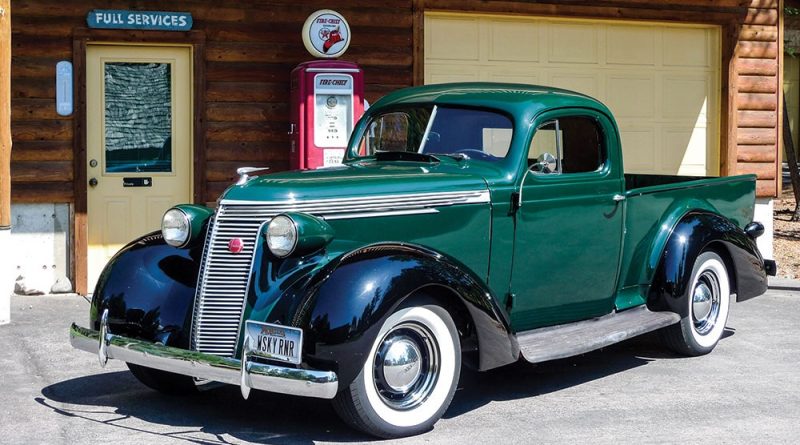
(93, 182)
(618, 198)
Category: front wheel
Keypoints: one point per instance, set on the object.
(708, 298)
(409, 377)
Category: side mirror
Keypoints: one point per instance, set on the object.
(545, 163)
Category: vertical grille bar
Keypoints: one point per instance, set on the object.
(222, 287)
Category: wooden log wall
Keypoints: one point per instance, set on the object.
(5, 115)
(758, 95)
(251, 48)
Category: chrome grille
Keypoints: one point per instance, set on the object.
(223, 283)
(225, 277)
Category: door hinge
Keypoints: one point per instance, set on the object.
(510, 301)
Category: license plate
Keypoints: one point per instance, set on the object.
(273, 341)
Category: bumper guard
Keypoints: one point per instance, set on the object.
(247, 375)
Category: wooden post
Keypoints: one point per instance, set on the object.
(5, 114)
(791, 159)
(6, 276)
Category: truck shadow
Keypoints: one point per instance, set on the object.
(523, 379)
(220, 415)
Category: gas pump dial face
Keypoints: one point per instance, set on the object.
(331, 102)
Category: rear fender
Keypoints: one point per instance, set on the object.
(695, 232)
(347, 301)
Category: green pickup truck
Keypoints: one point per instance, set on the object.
(471, 224)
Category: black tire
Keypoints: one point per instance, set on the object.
(163, 381)
(406, 398)
(708, 299)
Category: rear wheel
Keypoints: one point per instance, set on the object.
(409, 377)
(708, 298)
(163, 381)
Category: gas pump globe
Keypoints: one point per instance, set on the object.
(327, 96)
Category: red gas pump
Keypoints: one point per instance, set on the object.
(327, 98)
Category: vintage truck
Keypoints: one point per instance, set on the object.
(471, 224)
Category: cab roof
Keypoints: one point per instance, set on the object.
(517, 99)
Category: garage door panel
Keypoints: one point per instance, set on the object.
(439, 39)
(686, 47)
(630, 45)
(573, 43)
(513, 41)
(447, 73)
(660, 81)
(631, 95)
(685, 98)
(683, 150)
(638, 148)
(582, 82)
(501, 75)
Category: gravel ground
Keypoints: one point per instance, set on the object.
(787, 236)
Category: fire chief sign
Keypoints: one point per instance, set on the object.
(326, 34)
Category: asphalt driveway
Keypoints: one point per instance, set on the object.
(746, 391)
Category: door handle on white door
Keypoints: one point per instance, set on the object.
(93, 182)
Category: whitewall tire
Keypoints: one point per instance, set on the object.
(409, 377)
(708, 299)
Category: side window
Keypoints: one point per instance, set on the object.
(575, 145)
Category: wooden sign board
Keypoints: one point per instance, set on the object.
(150, 20)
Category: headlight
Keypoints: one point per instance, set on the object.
(176, 227)
(282, 236)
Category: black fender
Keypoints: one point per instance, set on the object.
(148, 288)
(695, 232)
(345, 303)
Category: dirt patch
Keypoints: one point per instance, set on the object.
(787, 236)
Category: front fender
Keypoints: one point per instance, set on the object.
(148, 288)
(696, 232)
(347, 301)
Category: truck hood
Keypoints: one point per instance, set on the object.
(364, 178)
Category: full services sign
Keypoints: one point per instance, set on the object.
(150, 20)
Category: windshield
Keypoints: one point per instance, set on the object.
(464, 133)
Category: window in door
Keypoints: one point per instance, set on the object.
(567, 145)
(138, 117)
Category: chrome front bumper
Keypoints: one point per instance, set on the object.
(301, 382)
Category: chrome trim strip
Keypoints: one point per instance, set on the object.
(332, 204)
(377, 214)
(280, 379)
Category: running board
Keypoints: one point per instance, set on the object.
(554, 342)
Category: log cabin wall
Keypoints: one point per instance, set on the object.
(250, 51)
(759, 96)
(250, 47)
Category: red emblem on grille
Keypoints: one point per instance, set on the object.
(236, 245)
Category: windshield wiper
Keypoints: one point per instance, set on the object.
(456, 156)
(406, 156)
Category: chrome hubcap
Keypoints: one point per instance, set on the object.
(406, 366)
(401, 364)
(705, 302)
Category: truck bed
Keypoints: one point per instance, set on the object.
(655, 203)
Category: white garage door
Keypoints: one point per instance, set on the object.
(660, 81)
